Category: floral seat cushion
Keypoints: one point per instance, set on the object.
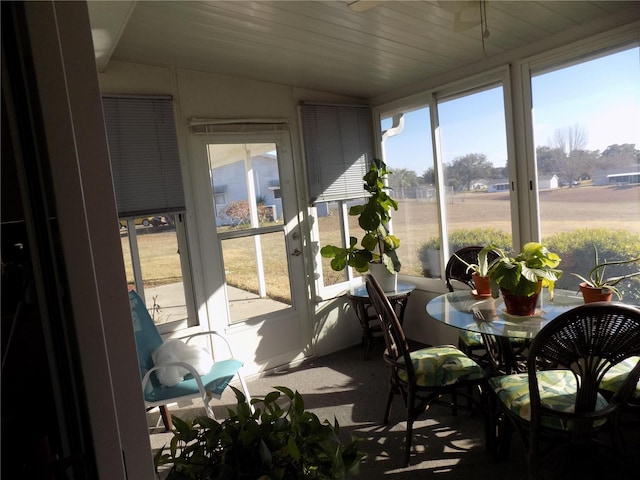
(471, 339)
(474, 339)
(557, 391)
(441, 366)
(616, 376)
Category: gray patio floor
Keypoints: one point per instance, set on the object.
(446, 447)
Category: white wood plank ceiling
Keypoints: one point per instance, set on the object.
(328, 46)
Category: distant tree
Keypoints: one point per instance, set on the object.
(619, 156)
(549, 160)
(464, 170)
(580, 164)
(402, 178)
(569, 139)
(498, 172)
(429, 176)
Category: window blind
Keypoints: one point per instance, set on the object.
(338, 149)
(143, 147)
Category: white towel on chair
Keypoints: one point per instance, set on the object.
(175, 350)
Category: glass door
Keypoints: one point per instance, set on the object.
(256, 218)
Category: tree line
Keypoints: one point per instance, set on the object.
(565, 156)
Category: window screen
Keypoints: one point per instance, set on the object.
(338, 149)
(143, 148)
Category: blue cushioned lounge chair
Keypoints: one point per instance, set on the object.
(206, 387)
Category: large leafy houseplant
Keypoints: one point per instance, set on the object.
(377, 244)
(526, 273)
(598, 280)
(271, 442)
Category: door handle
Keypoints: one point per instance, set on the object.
(296, 252)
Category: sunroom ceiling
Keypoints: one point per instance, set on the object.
(365, 50)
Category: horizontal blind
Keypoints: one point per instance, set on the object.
(338, 149)
(143, 147)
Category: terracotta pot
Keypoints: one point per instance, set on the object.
(482, 284)
(590, 294)
(520, 305)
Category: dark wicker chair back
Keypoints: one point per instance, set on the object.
(397, 351)
(442, 370)
(588, 340)
(456, 270)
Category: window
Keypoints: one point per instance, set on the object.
(503, 173)
(149, 193)
(408, 153)
(472, 204)
(587, 132)
(338, 150)
(157, 266)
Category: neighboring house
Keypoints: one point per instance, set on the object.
(498, 187)
(230, 185)
(615, 176)
(480, 184)
(547, 182)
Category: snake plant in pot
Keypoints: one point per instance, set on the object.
(597, 286)
(480, 270)
(377, 247)
(521, 278)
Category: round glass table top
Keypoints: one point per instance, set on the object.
(457, 309)
(401, 289)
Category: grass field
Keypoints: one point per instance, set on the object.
(562, 210)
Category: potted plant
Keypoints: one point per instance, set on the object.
(480, 271)
(271, 442)
(521, 278)
(598, 287)
(377, 246)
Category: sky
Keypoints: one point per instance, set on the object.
(601, 95)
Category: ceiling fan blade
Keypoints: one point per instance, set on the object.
(466, 13)
(361, 6)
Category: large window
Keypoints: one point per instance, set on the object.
(408, 153)
(473, 164)
(587, 132)
(467, 205)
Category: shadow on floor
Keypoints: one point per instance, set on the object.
(445, 447)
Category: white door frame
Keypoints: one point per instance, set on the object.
(274, 339)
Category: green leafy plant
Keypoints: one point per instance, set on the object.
(520, 275)
(271, 442)
(598, 279)
(377, 245)
(482, 267)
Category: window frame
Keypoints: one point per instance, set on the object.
(431, 98)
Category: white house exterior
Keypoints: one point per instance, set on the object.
(229, 185)
(548, 182)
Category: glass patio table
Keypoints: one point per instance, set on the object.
(498, 328)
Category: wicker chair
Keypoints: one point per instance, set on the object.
(562, 403)
(470, 343)
(421, 377)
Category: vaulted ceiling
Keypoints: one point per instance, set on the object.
(364, 48)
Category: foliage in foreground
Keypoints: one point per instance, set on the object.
(271, 443)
